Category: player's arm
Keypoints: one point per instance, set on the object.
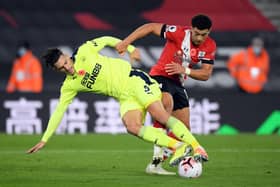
(55, 119)
(140, 32)
(202, 74)
(110, 41)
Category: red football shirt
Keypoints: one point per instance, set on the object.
(179, 48)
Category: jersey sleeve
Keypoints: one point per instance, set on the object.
(65, 99)
(172, 32)
(210, 50)
(100, 43)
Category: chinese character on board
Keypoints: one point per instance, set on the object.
(23, 117)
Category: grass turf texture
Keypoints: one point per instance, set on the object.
(120, 160)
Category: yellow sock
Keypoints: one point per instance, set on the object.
(158, 137)
(181, 131)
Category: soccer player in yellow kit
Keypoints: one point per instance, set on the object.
(88, 71)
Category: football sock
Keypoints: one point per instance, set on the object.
(158, 125)
(158, 152)
(181, 131)
(172, 135)
(158, 137)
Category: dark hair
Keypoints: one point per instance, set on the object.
(51, 56)
(201, 22)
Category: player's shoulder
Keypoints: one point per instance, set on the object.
(86, 48)
(67, 84)
(210, 43)
(175, 28)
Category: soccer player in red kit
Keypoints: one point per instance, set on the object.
(185, 47)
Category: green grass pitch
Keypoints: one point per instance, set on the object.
(119, 160)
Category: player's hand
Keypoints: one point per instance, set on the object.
(135, 55)
(37, 147)
(174, 68)
(121, 47)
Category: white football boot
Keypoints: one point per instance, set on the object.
(155, 167)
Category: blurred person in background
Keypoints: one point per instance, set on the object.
(185, 47)
(26, 75)
(250, 67)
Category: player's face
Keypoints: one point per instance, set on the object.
(199, 36)
(65, 64)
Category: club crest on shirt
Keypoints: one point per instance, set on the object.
(171, 28)
(201, 54)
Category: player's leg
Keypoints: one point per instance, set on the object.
(183, 115)
(141, 91)
(180, 109)
(160, 153)
(155, 166)
(133, 119)
(182, 112)
(145, 91)
(178, 128)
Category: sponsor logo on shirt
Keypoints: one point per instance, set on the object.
(89, 79)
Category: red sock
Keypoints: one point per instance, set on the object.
(170, 134)
(158, 125)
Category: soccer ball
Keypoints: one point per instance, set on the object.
(189, 168)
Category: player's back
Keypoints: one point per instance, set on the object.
(98, 73)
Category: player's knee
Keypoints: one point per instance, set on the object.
(167, 102)
(133, 127)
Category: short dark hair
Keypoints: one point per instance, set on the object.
(201, 22)
(51, 56)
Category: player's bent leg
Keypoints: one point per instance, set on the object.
(177, 127)
(133, 122)
(183, 115)
(157, 111)
(185, 135)
(167, 102)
